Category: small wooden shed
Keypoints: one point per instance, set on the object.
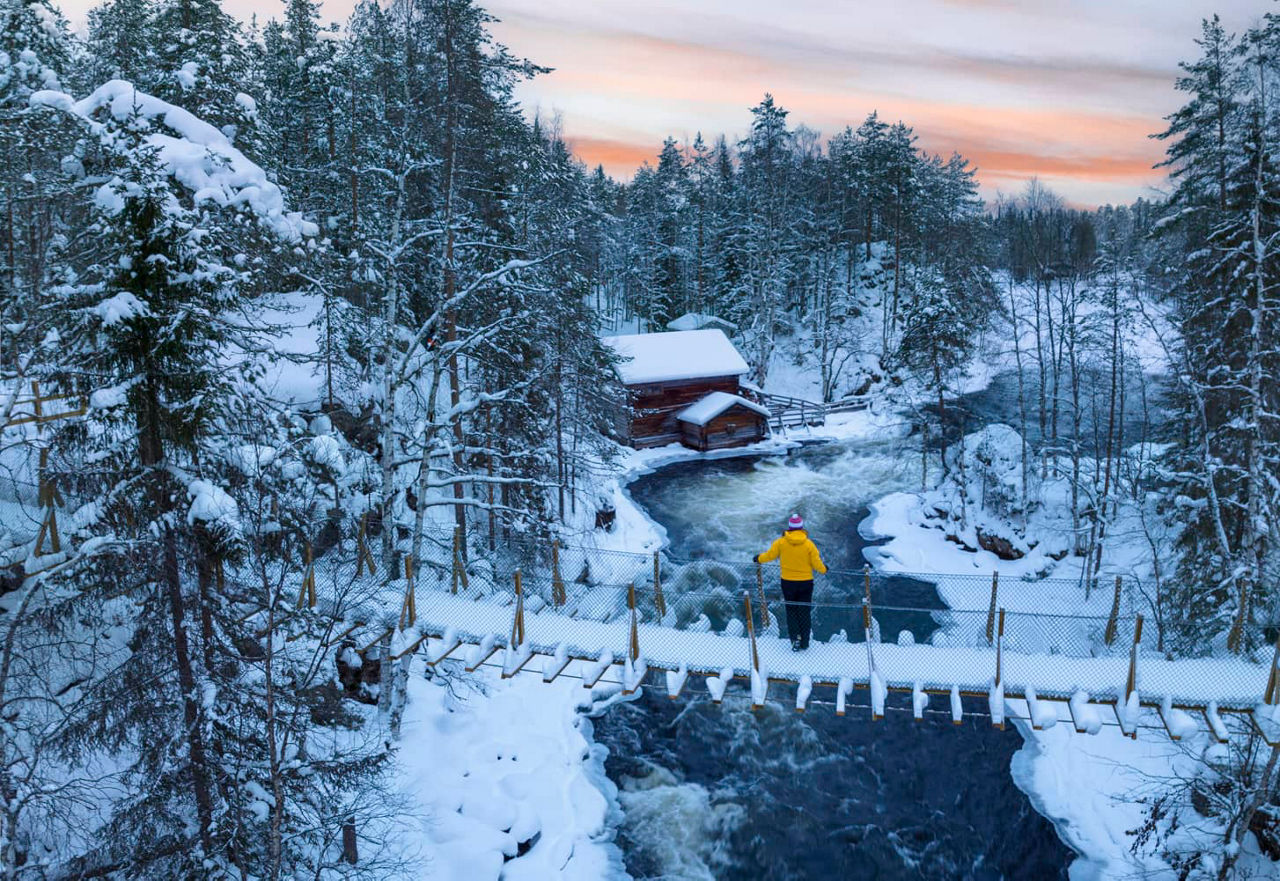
(721, 420)
(665, 373)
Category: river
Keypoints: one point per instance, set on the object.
(721, 792)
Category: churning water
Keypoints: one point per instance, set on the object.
(721, 792)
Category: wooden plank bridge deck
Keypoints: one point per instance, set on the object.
(1177, 697)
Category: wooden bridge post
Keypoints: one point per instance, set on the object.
(866, 584)
(657, 587)
(47, 498)
(1000, 649)
(866, 625)
(991, 610)
(751, 632)
(1113, 621)
(409, 610)
(517, 623)
(634, 648)
(1132, 682)
(363, 554)
(1271, 696)
(307, 595)
(558, 595)
(459, 564)
(764, 603)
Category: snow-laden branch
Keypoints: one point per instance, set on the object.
(194, 153)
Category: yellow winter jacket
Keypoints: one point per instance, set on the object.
(798, 555)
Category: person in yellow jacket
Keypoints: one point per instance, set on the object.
(799, 558)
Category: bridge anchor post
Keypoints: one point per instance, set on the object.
(1113, 620)
(991, 610)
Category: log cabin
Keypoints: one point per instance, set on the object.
(666, 374)
(721, 420)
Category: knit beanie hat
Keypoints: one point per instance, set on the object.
(796, 522)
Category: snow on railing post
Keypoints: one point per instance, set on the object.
(995, 701)
(1128, 713)
(991, 610)
(1113, 620)
(558, 595)
(657, 587)
(634, 651)
(1131, 684)
(866, 584)
(518, 653)
(764, 603)
(751, 632)
(874, 682)
(408, 609)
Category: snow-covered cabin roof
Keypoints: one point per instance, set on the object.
(713, 405)
(667, 357)
(701, 321)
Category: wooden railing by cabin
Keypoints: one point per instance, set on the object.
(788, 412)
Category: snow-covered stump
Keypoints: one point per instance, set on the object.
(803, 690)
(957, 707)
(1177, 722)
(843, 690)
(592, 674)
(717, 684)
(919, 700)
(676, 681)
(481, 653)
(1085, 717)
(554, 665)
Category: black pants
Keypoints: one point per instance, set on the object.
(798, 595)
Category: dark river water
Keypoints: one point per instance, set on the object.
(721, 792)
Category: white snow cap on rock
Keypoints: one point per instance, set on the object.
(686, 354)
(194, 153)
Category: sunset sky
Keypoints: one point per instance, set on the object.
(1066, 90)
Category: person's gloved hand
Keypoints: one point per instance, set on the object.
(755, 559)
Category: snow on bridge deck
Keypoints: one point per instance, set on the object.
(1180, 696)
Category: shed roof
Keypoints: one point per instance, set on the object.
(667, 357)
(713, 405)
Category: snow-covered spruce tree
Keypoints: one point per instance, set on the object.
(200, 63)
(33, 55)
(227, 768)
(1225, 214)
(119, 44)
(955, 295)
(766, 241)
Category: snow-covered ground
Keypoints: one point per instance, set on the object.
(491, 764)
